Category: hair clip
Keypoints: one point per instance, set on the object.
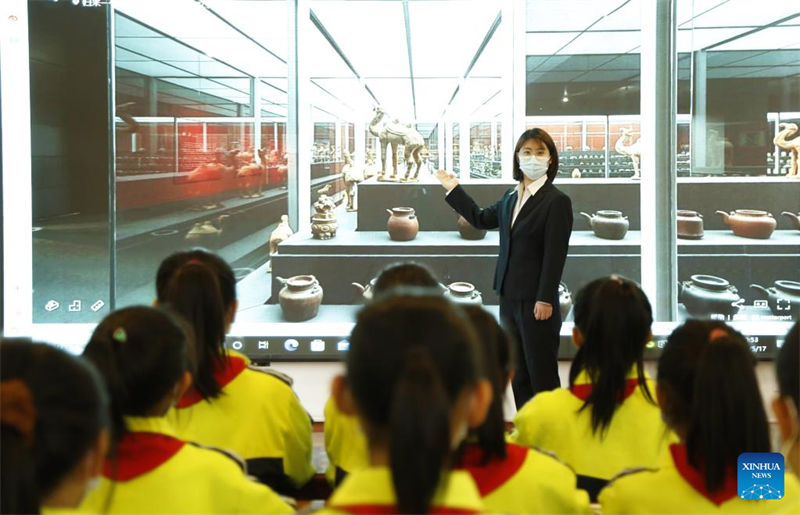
(717, 334)
(120, 335)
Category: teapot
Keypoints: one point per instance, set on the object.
(795, 218)
(704, 295)
(366, 291)
(564, 300)
(750, 223)
(783, 297)
(608, 224)
(300, 297)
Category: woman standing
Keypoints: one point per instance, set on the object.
(535, 223)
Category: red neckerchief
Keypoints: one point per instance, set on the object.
(582, 391)
(496, 472)
(386, 509)
(234, 366)
(139, 453)
(695, 478)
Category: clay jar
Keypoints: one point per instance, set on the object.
(690, 224)
(300, 297)
(608, 224)
(564, 300)
(704, 295)
(783, 297)
(463, 293)
(795, 218)
(403, 224)
(468, 232)
(750, 223)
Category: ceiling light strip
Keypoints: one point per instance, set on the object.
(752, 31)
(237, 29)
(481, 48)
(581, 33)
(190, 47)
(407, 20)
(332, 42)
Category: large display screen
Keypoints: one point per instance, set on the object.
(298, 139)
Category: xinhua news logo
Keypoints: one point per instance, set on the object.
(760, 475)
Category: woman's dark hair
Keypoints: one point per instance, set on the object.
(410, 359)
(498, 364)
(201, 287)
(70, 408)
(707, 372)
(788, 365)
(404, 274)
(542, 136)
(141, 353)
(614, 317)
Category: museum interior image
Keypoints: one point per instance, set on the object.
(297, 139)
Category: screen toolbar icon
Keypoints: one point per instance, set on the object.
(51, 305)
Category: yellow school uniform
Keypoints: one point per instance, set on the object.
(49, 510)
(258, 417)
(677, 487)
(636, 436)
(345, 443)
(526, 481)
(370, 491)
(155, 472)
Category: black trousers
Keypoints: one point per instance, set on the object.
(537, 348)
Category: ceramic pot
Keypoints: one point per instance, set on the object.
(704, 295)
(366, 291)
(564, 300)
(323, 227)
(468, 232)
(795, 218)
(403, 224)
(300, 297)
(750, 223)
(690, 224)
(783, 297)
(608, 224)
(463, 293)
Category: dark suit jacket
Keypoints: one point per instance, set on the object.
(533, 252)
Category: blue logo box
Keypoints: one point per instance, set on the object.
(760, 475)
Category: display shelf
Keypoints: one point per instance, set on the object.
(142, 222)
(721, 241)
(436, 242)
(434, 214)
(359, 256)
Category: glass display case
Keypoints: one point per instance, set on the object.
(204, 123)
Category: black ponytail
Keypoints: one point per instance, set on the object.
(677, 368)
(201, 287)
(614, 316)
(495, 343)
(727, 414)
(69, 409)
(410, 359)
(419, 418)
(141, 352)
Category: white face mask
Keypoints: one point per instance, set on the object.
(533, 167)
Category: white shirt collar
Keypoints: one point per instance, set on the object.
(532, 187)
